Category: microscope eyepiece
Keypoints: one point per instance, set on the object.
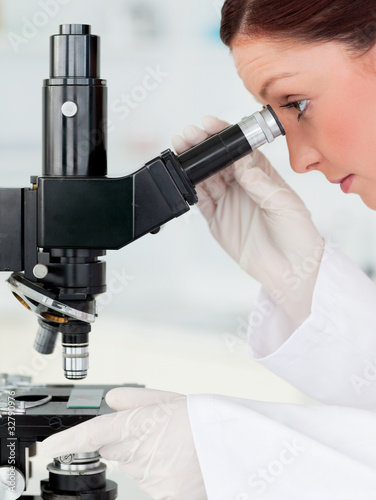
(75, 29)
(74, 52)
(221, 150)
(261, 127)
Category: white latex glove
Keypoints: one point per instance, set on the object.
(149, 435)
(261, 223)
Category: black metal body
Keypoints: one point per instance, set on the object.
(73, 212)
(40, 422)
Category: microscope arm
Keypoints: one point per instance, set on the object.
(105, 213)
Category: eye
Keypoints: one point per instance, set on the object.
(300, 106)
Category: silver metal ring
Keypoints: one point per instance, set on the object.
(29, 295)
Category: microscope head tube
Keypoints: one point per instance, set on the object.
(222, 149)
(74, 106)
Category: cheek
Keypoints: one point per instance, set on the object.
(340, 140)
(349, 121)
(345, 138)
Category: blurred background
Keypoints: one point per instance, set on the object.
(175, 313)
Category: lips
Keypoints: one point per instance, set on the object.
(345, 182)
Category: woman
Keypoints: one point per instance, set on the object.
(315, 63)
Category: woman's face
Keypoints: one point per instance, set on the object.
(326, 100)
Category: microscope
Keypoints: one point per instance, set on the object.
(56, 232)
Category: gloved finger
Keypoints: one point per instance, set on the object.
(117, 452)
(126, 398)
(215, 187)
(180, 144)
(86, 437)
(212, 189)
(194, 135)
(265, 191)
(141, 430)
(136, 431)
(132, 470)
(213, 125)
(257, 159)
(205, 203)
(134, 450)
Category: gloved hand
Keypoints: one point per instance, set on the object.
(149, 435)
(261, 223)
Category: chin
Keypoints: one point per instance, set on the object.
(369, 200)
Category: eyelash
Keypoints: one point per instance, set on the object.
(296, 105)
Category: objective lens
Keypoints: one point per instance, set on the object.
(75, 343)
(46, 337)
(76, 361)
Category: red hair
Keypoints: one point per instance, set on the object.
(348, 21)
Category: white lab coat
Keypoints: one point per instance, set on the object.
(273, 451)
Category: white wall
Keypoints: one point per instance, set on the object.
(174, 315)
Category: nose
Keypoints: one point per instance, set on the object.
(304, 157)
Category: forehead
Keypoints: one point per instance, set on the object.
(262, 61)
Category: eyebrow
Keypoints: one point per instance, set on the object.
(273, 79)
